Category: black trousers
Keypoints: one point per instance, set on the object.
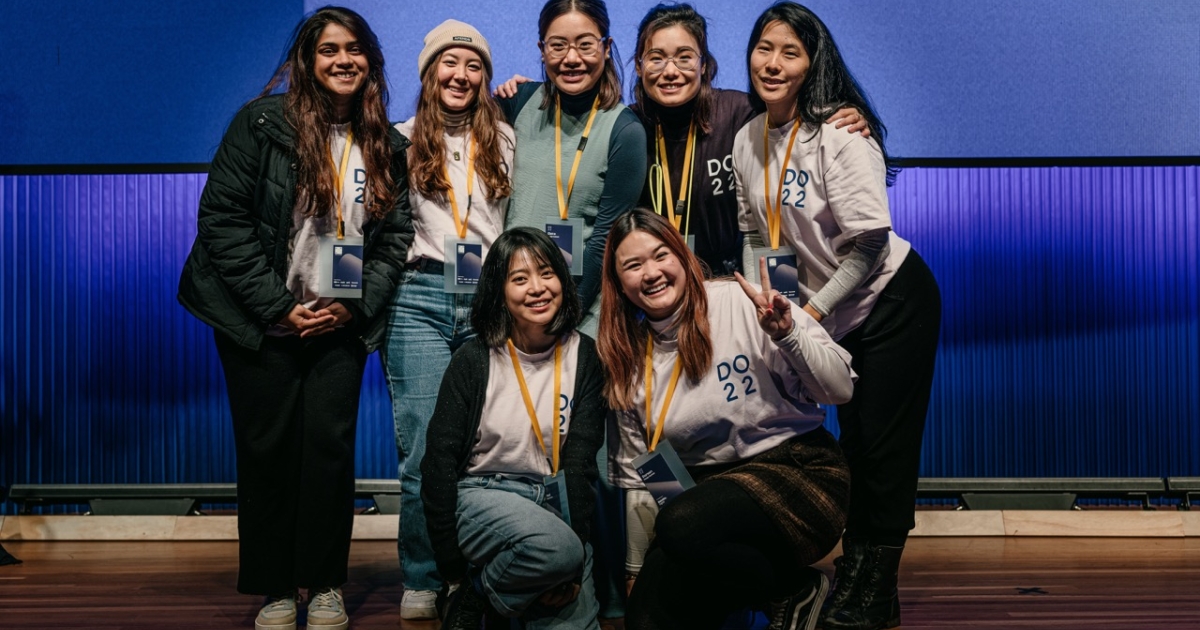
(717, 550)
(295, 411)
(883, 424)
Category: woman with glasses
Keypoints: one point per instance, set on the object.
(690, 127)
(580, 152)
(822, 195)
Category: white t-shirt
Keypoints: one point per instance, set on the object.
(751, 400)
(304, 241)
(833, 190)
(505, 443)
(433, 219)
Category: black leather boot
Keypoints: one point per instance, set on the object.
(875, 604)
(847, 570)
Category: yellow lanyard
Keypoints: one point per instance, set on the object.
(565, 198)
(662, 416)
(537, 428)
(340, 174)
(685, 179)
(775, 210)
(460, 225)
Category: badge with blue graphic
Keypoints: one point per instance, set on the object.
(341, 267)
(663, 473)
(783, 270)
(464, 262)
(568, 235)
(556, 496)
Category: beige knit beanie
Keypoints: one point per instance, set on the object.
(453, 33)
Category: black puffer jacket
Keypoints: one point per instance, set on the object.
(233, 279)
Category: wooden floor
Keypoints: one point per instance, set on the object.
(1028, 583)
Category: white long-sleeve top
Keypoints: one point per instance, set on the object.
(433, 219)
(758, 394)
(833, 191)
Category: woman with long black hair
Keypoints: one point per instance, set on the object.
(814, 200)
(303, 230)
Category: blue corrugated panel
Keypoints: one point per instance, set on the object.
(1070, 340)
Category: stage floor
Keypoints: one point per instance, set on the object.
(993, 582)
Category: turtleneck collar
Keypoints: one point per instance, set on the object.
(676, 118)
(579, 104)
(452, 120)
(666, 328)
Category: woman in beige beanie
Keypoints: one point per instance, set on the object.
(459, 186)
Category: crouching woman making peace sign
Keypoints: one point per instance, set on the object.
(730, 377)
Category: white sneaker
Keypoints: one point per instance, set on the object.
(419, 605)
(279, 613)
(327, 611)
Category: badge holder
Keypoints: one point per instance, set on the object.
(464, 262)
(783, 269)
(556, 496)
(663, 473)
(341, 264)
(568, 235)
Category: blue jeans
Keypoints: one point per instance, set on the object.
(425, 325)
(523, 551)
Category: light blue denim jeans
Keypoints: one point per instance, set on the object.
(523, 550)
(425, 325)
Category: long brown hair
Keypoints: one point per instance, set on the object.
(623, 329)
(309, 109)
(597, 12)
(427, 158)
(684, 16)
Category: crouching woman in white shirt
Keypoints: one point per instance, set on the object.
(734, 376)
(521, 407)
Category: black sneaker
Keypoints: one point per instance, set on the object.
(800, 611)
(465, 608)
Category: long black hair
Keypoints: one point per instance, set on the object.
(489, 311)
(684, 16)
(828, 86)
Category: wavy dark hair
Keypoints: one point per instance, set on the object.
(684, 16)
(597, 12)
(489, 311)
(829, 85)
(427, 158)
(310, 112)
(623, 329)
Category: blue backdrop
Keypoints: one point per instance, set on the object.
(155, 82)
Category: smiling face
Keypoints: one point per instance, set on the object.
(340, 66)
(459, 75)
(778, 66)
(652, 276)
(574, 53)
(658, 69)
(533, 295)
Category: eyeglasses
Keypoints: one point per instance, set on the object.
(587, 47)
(685, 62)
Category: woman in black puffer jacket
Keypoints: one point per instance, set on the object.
(303, 229)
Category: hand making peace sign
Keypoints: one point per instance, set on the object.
(774, 310)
